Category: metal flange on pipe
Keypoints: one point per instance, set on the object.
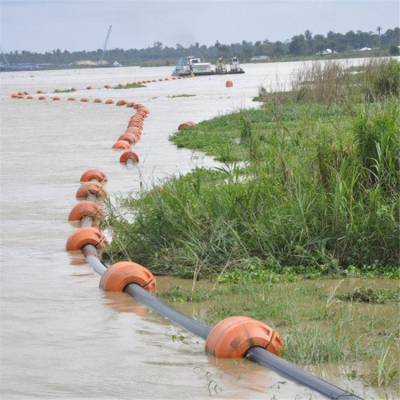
(234, 337)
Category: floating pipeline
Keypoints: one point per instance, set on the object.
(234, 337)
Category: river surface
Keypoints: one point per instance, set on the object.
(62, 337)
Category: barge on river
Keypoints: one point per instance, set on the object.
(193, 66)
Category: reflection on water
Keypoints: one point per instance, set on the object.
(61, 337)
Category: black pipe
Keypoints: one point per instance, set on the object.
(190, 324)
(256, 354)
(271, 361)
(91, 256)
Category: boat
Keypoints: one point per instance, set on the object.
(192, 66)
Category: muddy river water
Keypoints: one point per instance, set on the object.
(62, 337)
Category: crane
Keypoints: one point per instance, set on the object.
(105, 45)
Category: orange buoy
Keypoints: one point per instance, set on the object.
(14, 95)
(93, 173)
(121, 145)
(229, 84)
(131, 104)
(121, 84)
(185, 124)
(74, 89)
(109, 101)
(121, 274)
(42, 97)
(89, 88)
(107, 86)
(174, 79)
(129, 155)
(91, 188)
(84, 236)
(86, 209)
(39, 91)
(127, 137)
(154, 80)
(97, 101)
(20, 96)
(30, 97)
(71, 99)
(56, 98)
(122, 103)
(84, 99)
(233, 336)
(160, 80)
(56, 90)
(26, 93)
(166, 79)
(134, 130)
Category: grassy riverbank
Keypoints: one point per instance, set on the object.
(308, 189)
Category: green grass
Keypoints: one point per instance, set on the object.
(135, 86)
(182, 95)
(315, 326)
(371, 295)
(317, 186)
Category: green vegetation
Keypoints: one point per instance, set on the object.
(305, 183)
(182, 95)
(131, 86)
(371, 295)
(64, 91)
(315, 325)
(308, 191)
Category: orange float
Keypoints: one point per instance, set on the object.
(26, 93)
(232, 337)
(56, 90)
(30, 97)
(121, 84)
(133, 130)
(131, 104)
(14, 95)
(129, 155)
(86, 209)
(229, 84)
(71, 99)
(109, 101)
(185, 124)
(89, 88)
(42, 97)
(91, 188)
(107, 86)
(154, 80)
(39, 91)
(174, 79)
(121, 274)
(93, 173)
(56, 98)
(128, 137)
(74, 89)
(84, 236)
(20, 96)
(84, 99)
(97, 101)
(160, 80)
(122, 103)
(121, 145)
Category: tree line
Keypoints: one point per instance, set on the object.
(306, 44)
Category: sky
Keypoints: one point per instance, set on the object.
(82, 25)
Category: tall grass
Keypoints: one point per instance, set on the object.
(312, 193)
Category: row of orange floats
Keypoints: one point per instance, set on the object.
(133, 131)
(122, 85)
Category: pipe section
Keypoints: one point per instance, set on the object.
(283, 367)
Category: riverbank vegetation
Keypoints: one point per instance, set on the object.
(307, 189)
